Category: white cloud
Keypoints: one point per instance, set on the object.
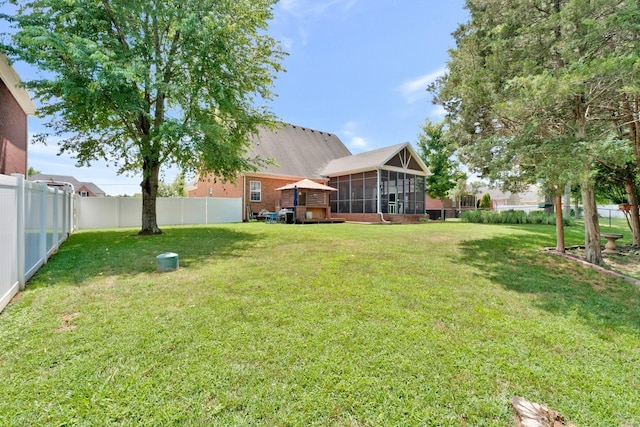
(314, 8)
(287, 42)
(416, 89)
(356, 142)
(288, 4)
(296, 16)
(359, 142)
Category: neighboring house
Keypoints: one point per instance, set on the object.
(530, 196)
(388, 181)
(500, 200)
(434, 208)
(81, 189)
(15, 106)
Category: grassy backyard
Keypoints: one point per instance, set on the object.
(343, 324)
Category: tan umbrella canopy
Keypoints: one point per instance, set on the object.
(306, 184)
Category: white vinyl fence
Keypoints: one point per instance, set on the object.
(526, 208)
(117, 212)
(34, 221)
(604, 211)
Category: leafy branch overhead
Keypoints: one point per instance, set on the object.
(145, 84)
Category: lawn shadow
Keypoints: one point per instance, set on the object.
(89, 254)
(555, 284)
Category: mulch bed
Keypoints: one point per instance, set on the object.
(623, 265)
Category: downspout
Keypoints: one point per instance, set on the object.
(382, 220)
(244, 198)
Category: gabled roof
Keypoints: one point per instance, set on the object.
(297, 151)
(71, 180)
(11, 79)
(528, 196)
(399, 156)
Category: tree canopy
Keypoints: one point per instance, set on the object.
(176, 189)
(148, 84)
(538, 91)
(437, 153)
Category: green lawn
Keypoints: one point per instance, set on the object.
(339, 324)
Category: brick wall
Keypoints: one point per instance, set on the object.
(210, 187)
(13, 134)
(84, 188)
(435, 203)
(271, 199)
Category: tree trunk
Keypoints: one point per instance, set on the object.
(559, 223)
(442, 215)
(593, 250)
(630, 188)
(150, 177)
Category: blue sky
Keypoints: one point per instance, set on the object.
(356, 68)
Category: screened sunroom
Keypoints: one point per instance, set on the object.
(388, 181)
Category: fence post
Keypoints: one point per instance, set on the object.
(43, 223)
(20, 217)
(74, 213)
(55, 245)
(64, 215)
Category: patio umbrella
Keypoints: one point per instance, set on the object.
(295, 195)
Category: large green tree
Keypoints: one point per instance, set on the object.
(528, 93)
(437, 153)
(152, 83)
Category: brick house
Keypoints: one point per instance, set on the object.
(372, 186)
(15, 106)
(297, 153)
(81, 189)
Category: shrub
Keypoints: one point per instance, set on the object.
(485, 202)
(512, 217)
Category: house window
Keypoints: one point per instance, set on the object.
(84, 194)
(255, 191)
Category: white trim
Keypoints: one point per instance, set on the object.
(251, 191)
(294, 178)
(397, 169)
(13, 83)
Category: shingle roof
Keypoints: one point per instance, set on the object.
(297, 151)
(370, 160)
(71, 180)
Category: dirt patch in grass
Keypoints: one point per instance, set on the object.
(67, 322)
(625, 263)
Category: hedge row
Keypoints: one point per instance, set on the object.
(511, 217)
